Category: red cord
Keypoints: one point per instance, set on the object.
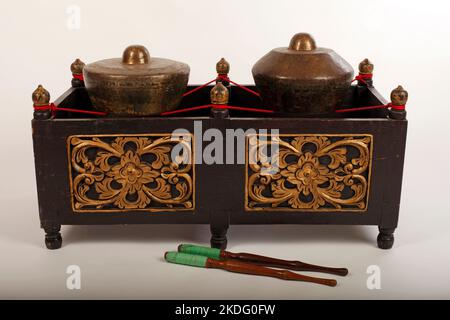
(185, 110)
(360, 77)
(402, 107)
(53, 108)
(389, 105)
(367, 76)
(198, 88)
(78, 76)
(225, 78)
(222, 106)
(218, 106)
(363, 77)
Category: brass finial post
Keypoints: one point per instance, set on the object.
(223, 68)
(365, 73)
(41, 98)
(399, 97)
(77, 73)
(219, 96)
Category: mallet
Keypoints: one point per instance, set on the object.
(259, 260)
(241, 267)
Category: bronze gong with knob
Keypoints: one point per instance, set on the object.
(303, 79)
(136, 84)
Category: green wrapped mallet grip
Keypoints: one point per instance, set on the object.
(199, 250)
(186, 259)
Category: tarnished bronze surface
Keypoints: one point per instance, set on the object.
(365, 67)
(399, 96)
(77, 67)
(135, 55)
(222, 67)
(219, 94)
(302, 78)
(302, 42)
(40, 96)
(137, 84)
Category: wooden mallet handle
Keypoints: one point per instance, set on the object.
(247, 268)
(279, 263)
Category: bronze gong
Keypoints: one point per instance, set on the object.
(302, 78)
(136, 84)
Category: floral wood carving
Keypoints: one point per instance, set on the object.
(308, 172)
(130, 173)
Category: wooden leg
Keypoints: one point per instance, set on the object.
(219, 237)
(53, 239)
(385, 238)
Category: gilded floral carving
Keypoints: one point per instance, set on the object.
(120, 173)
(308, 172)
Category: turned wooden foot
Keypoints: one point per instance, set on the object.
(53, 238)
(219, 238)
(385, 238)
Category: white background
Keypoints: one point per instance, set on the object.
(408, 41)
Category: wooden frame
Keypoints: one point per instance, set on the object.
(219, 201)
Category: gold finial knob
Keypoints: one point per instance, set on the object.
(302, 42)
(135, 54)
(77, 67)
(40, 96)
(219, 94)
(365, 67)
(399, 96)
(222, 67)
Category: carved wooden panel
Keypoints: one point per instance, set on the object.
(308, 172)
(131, 173)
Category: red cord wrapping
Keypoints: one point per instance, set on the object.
(219, 106)
(363, 77)
(389, 105)
(360, 77)
(53, 108)
(198, 88)
(225, 78)
(78, 76)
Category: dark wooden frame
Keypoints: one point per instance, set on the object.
(219, 201)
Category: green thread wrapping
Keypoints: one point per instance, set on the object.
(185, 258)
(199, 250)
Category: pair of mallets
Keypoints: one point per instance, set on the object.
(198, 256)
